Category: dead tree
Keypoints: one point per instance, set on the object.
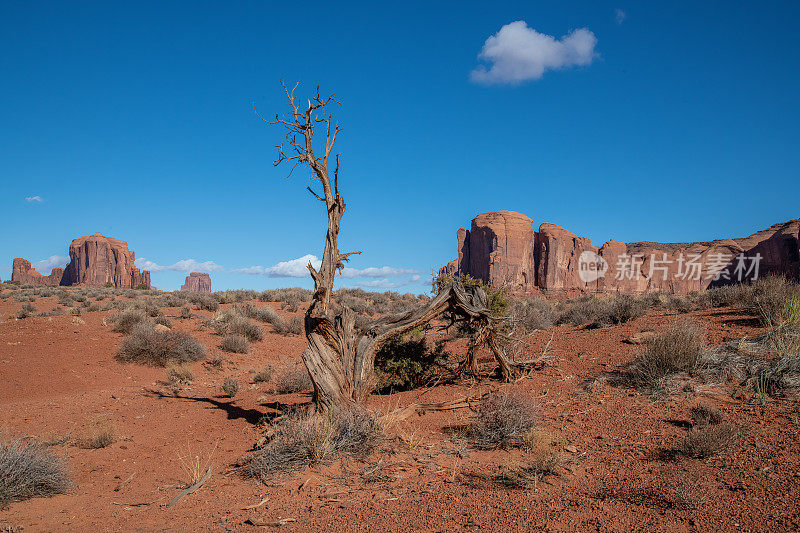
(340, 359)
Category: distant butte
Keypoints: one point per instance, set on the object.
(94, 261)
(197, 282)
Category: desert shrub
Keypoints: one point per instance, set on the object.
(262, 314)
(125, 320)
(405, 362)
(735, 295)
(680, 347)
(583, 310)
(215, 361)
(186, 312)
(291, 294)
(772, 299)
(28, 470)
(230, 387)
(145, 345)
(302, 439)
(143, 287)
(780, 377)
(704, 415)
(263, 375)
(502, 419)
(234, 343)
(179, 374)
(232, 322)
(710, 440)
(205, 301)
(27, 310)
(171, 300)
(531, 314)
(234, 296)
(100, 434)
(164, 321)
(295, 379)
(623, 308)
(294, 326)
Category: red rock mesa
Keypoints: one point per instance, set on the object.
(502, 248)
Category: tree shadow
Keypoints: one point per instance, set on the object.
(234, 412)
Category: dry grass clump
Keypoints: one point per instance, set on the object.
(28, 470)
(704, 415)
(502, 419)
(148, 346)
(295, 379)
(531, 314)
(595, 312)
(234, 343)
(300, 440)
(680, 347)
(710, 440)
(230, 387)
(186, 312)
(204, 301)
(232, 322)
(179, 374)
(100, 433)
(27, 309)
(164, 321)
(264, 314)
(125, 320)
(263, 375)
(295, 326)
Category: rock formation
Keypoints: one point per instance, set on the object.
(197, 282)
(94, 261)
(23, 272)
(501, 248)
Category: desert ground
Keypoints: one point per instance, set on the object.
(622, 464)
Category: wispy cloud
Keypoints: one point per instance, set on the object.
(518, 53)
(619, 16)
(37, 199)
(297, 268)
(184, 265)
(45, 266)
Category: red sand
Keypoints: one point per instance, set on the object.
(620, 473)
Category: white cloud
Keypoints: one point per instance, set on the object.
(184, 265)
(45, 266)
(518, 53)
(376, 272)
(619, 16)
(34, 199)
(297, 268)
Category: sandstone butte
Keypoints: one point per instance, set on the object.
(94, 261)
(502, 248)
(197, 282)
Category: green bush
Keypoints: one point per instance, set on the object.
(404, 363)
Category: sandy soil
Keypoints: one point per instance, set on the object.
(621, 472)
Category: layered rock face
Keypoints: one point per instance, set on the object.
(502, 248)
(23, 272)
(97, 260)
(94, 261)
(197, 282)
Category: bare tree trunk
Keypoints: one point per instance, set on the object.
(340, 361)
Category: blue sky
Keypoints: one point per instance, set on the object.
(668, 121)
